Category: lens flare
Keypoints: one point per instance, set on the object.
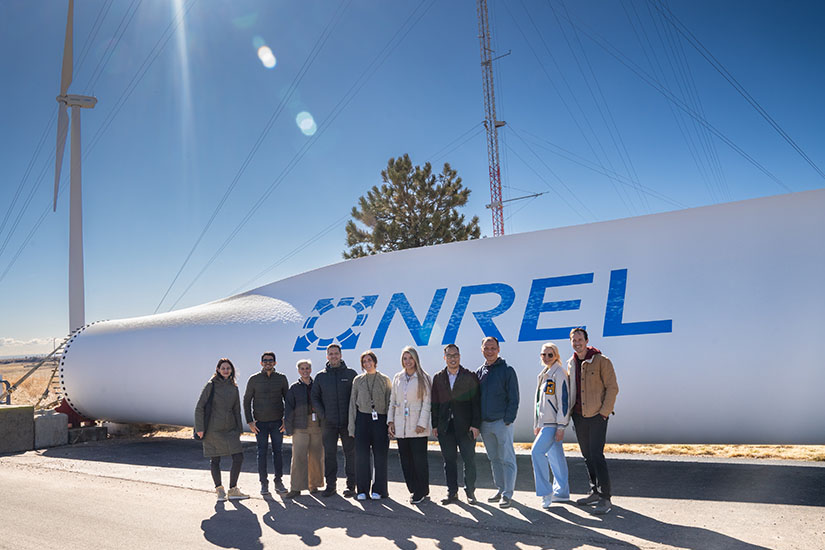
(306, 123)
(245, 21)
(257, 42)
(267, 57)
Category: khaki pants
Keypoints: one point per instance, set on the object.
(306, 471)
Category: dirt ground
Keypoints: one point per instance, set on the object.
(31, 390)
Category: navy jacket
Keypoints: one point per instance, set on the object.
(499, 392)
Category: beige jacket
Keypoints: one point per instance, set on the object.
(360, 401)
(599, 387)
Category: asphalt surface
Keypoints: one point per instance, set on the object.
(157, 493)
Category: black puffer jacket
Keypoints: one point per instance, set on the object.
(297, 407)
(331, 390)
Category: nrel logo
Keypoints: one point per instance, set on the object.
(421, 330)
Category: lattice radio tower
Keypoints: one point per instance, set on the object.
(490, 123)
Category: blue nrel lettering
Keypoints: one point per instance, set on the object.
(484, 318)
(419, 331)
(614, 312)
(536, 305)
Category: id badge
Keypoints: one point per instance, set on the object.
(406, 411)
(374, 415)
(314, 417)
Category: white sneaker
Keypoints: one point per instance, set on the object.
(546, 501)
(561, 499)
(221, 492)
(361, 496)
(375, 496)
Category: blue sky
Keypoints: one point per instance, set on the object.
(177, 119)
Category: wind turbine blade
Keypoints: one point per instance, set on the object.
(62, 129)
(66, 75)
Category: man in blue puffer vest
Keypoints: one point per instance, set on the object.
(499, 406)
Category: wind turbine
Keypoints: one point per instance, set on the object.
(77, 313)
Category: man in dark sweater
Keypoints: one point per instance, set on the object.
(499, 406)
(263, 404)
(330, 399)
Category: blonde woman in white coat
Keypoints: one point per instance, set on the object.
(408, 420)
(551, 415)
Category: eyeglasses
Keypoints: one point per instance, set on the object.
(548, 354)
(452, 355)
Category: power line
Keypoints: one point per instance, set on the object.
(101, 15)
(293, 252)
(619, 178)
(716, 64)
(419, 12)
(574, 97)
(652, 82)
(313, 54)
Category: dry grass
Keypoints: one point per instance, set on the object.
(29, 391)
(814, 453)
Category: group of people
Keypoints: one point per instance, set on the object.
(456, 406)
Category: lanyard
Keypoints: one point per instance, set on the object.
(370, 387)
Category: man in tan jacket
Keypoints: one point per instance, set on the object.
(594, 382)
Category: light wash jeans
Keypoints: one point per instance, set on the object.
(498, 442)
(546, 450)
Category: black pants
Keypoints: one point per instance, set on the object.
(591, 433)
(451, 444)
(234, 472)
(330, 440)
(413, 454)
(371, 434)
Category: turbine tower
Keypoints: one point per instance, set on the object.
(77, 313)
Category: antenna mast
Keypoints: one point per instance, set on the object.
(490, 121)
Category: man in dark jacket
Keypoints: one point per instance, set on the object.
(499, 406)
(263, 405)
(456, 417)
(330, 399)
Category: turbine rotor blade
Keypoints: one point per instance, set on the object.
(66, 74)
(62, 129)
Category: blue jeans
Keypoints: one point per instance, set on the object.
(498, 442)
(270, 431)
(546, 450)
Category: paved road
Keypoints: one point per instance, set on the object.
(155, 493)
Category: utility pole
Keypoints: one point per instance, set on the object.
(490, 123)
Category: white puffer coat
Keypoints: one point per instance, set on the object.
(405, 398)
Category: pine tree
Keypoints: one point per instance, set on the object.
(413, 208)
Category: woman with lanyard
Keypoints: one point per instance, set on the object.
(368, 406)
(409, 421)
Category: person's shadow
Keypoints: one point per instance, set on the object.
(233, 526)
